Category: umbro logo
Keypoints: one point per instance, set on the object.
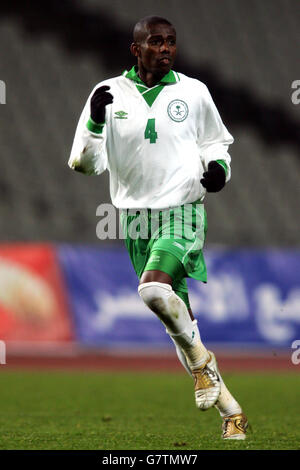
(121, 115)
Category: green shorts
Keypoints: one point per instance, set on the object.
(179, 231)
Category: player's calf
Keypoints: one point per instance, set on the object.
(172, 311)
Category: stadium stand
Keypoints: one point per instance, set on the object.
(246, 53)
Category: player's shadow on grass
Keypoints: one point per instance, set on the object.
(100, 35)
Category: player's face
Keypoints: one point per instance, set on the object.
(157, 52)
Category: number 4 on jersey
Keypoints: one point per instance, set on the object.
(150, 132)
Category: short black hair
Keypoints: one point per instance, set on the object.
(141, 26)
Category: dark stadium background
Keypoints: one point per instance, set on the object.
(247, 52)
(52, 55)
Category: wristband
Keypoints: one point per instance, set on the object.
(94, 127)
(223, 165)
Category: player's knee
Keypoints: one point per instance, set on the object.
(155, 295)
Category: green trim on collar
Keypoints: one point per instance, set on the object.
(170, 77)
(141, 88)
(150, 94)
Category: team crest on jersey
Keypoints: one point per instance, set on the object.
(178, 110)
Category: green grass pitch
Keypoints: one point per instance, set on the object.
(109, 411)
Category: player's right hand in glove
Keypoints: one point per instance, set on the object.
(214, 179)
(99, 100)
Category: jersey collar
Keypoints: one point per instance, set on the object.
(169, 78)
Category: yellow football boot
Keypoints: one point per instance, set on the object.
(207, 384)
(235, 427)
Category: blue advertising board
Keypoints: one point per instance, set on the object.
(252, 298)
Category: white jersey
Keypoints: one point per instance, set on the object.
(156, 143)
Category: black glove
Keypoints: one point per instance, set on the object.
(214, 179)
(99, 100)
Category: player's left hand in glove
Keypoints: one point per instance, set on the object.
(214, 179)
(99, 100)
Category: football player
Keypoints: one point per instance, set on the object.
(160, 135)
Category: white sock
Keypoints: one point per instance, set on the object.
(172, 311)
(226, 404)
(196, 353)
